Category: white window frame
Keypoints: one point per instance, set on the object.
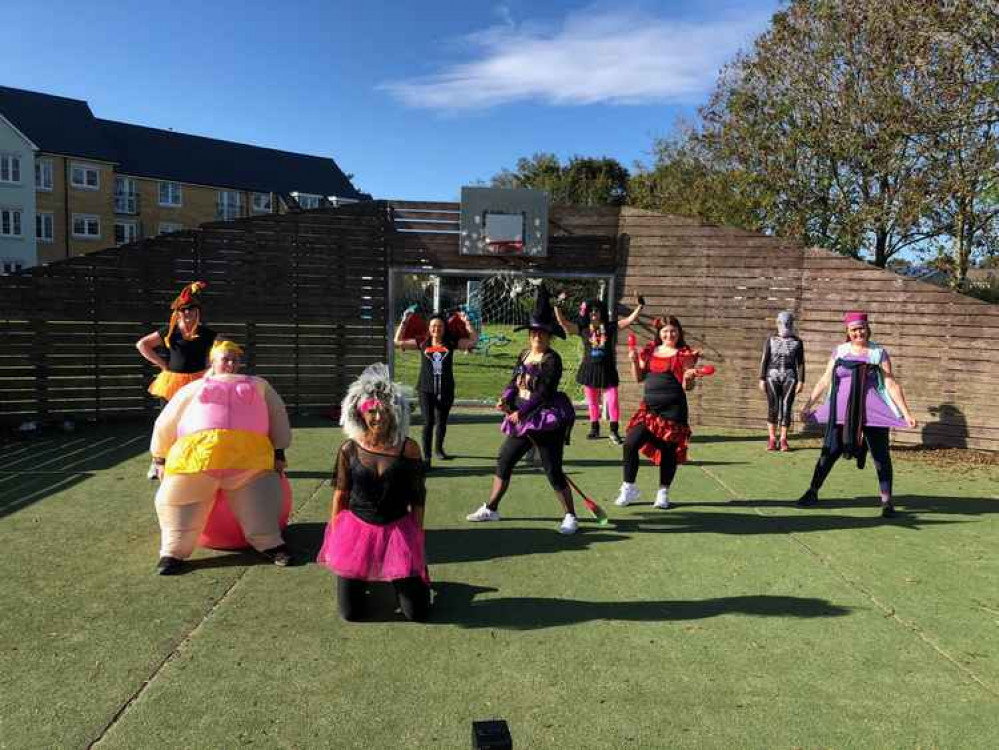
(259, 205)
(314, 201)
(169, 227)
(174, 194)
(13, 218)
(45, 220)
(230, 204)
(129, 236)
(10, 165)
(130, 196)
(89, 221)
(44, 175)
(86, 170)
(10, 265)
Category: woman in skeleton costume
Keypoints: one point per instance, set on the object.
(435, 385)
(375, 532)
(782, 376)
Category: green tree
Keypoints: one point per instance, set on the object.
(583, 181)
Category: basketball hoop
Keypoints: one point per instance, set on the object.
(505, 247)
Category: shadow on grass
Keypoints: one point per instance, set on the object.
(923, 504)
(455, 604)
(33, 470)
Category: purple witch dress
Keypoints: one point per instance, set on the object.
(880, 410)
(548, 409)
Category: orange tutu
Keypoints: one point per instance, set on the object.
(168, 383)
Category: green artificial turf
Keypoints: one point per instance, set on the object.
(732, 620)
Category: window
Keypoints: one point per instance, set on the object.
(10, 168)
(43, 174)
(85, 176)
(44, 226)
(229, 205)
(170, 194)
(86, 226)
(262, 203)
(126, 196)
(9, 266)
(125, 232)
(10, 222)
(167, 227)
(307, 200)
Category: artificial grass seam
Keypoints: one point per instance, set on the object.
(179, 647)
(887, 609)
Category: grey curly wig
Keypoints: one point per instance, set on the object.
(375, 382)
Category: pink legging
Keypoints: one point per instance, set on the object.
(593, 402)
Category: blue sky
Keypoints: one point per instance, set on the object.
(413, 98)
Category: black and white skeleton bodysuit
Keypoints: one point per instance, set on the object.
(781, 369)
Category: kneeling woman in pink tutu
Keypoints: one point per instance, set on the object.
(375, 531)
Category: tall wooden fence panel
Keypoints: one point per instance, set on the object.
(726, 286)
(305, 293)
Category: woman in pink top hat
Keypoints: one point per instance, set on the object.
(864, 401)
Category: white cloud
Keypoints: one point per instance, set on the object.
(596, 56)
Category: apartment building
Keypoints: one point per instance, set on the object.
(99, 183)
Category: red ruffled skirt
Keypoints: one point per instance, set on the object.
(353, 548)
(664, 429)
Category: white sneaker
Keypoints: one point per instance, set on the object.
(151, 474)
(569, 525)
(483, 514)
(662, 499)
(628, 494)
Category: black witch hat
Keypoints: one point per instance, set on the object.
(543, 317)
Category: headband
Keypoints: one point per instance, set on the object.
(855, 319)
(368, 404)
(225, 346)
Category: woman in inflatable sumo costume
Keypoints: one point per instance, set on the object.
(538, 415)
(864, 401)
(375, 532)
(226, 431)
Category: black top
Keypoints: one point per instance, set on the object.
(665, 397)
(598, 368)
(381, 486)
(541, 379)
(189, 356)
(783, 356)
(436, 368)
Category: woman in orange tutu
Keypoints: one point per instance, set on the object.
(187, 342)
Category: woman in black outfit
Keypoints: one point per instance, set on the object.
(435, 385)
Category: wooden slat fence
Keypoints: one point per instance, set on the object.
(305, 293)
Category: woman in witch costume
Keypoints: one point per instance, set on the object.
(188, 343)
(597, 372)
(864, 402)
(538, 414)
(659, 428)
(435, 384)
(375, 532)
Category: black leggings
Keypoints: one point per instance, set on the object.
(550, 447)
(877, 444)
(638, 436)
(435, 409)
(412, 593)
(780, 399)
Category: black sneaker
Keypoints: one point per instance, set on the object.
(280, 555)
(593, 435)
(170, 566)
(441, 456)
(811, 497)
(888, 510)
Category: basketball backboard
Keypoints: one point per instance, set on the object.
(504, 221)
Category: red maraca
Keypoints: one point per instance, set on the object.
(705, 370)
(632, 341)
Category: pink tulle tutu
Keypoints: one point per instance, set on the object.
(353, 548)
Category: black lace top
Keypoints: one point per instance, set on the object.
(381, 486)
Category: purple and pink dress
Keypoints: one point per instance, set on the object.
(547, 409)
(377, 538)
(879, 409)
